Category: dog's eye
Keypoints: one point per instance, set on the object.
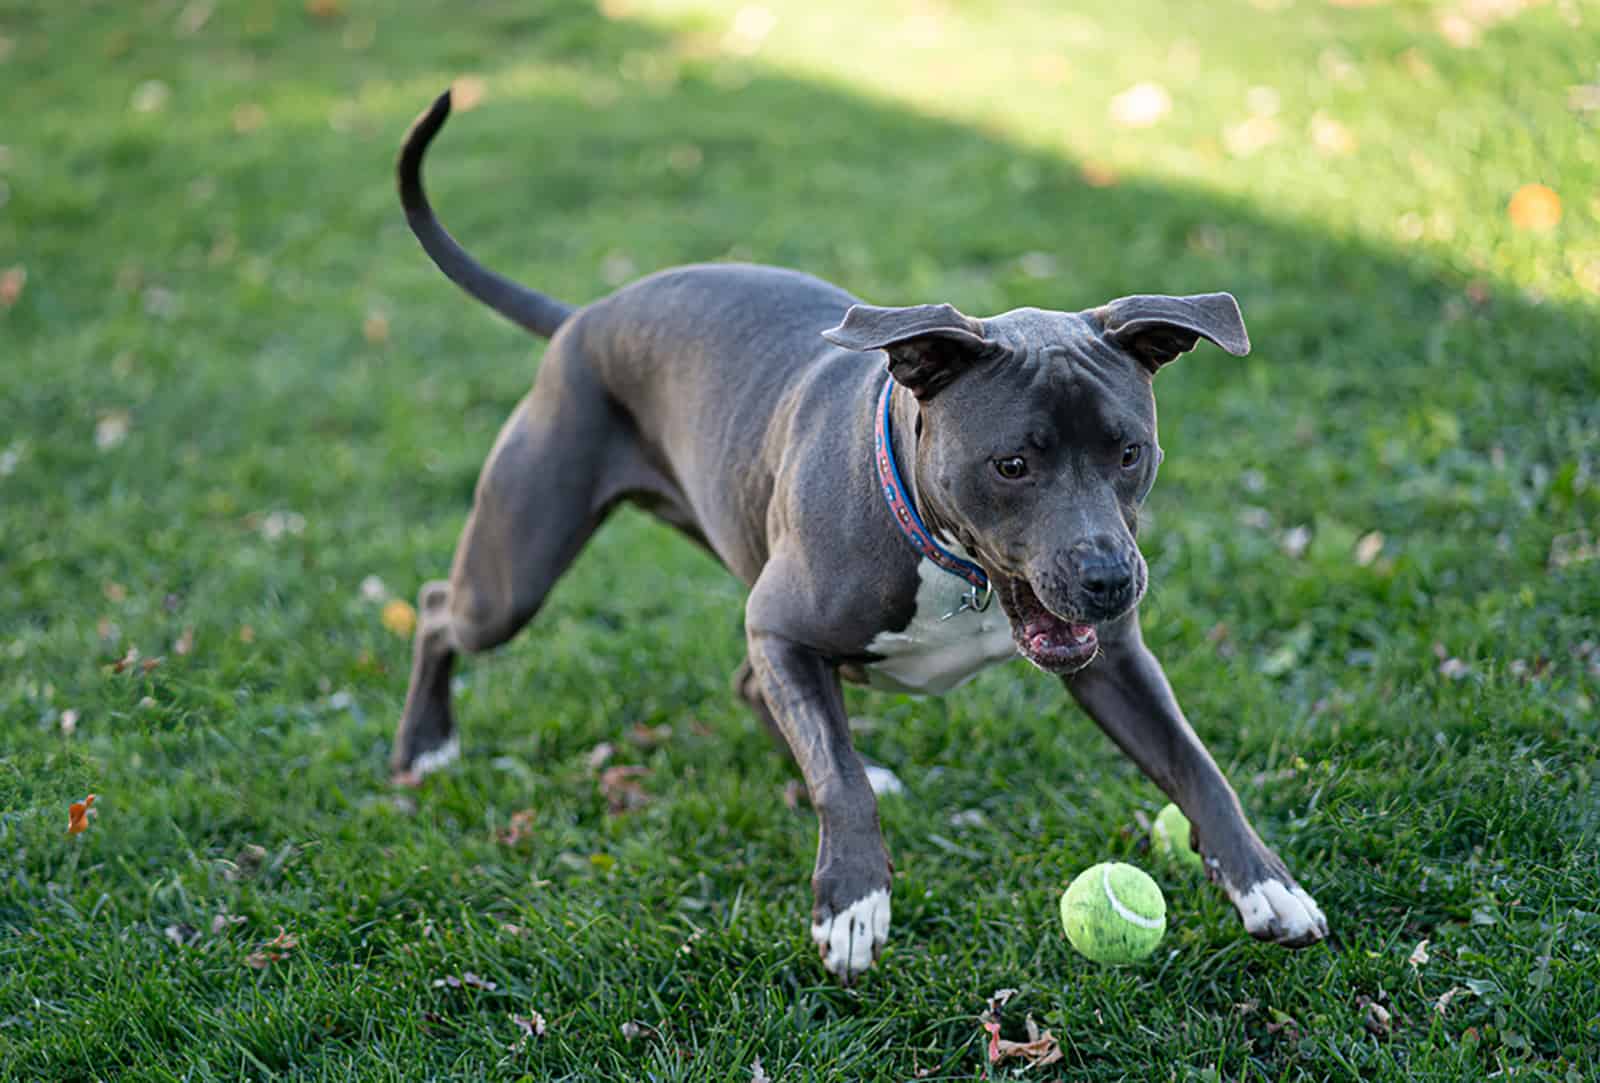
(1012, 468)
(1131, 456)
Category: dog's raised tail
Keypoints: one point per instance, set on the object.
(517, 303)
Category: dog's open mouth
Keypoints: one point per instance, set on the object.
(1052, 644)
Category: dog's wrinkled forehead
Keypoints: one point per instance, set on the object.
(1065, 356)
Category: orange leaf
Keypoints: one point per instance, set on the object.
(399, 618)
(1534, 207)
(78, 816)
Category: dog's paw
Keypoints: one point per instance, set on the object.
(428, 762)
(1279, 911)
(883, 781)
(851, 938)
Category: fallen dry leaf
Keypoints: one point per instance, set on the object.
(468, 92)
(1251, 135)
(1330, 137)
(531, 1025)
(1419, 955)
(758, 1074)
(467, 980)
(127, 661)
(620, 787)
(375, 328)
(633, 1032)
(248, 118)
(1098, 174)
(1041, 1049)
(399, 618)
(1446, 997)
(650, 736)
(1534, 207)
(520, 827)
(1142, 105)
(12, 279)
(225, 921)
(184, 643)
(1368, 548)
(273, 950)
(112, 429)
(182, 934)
(1377, 1020)
(78, 815)
(600, 754)
(150, 96)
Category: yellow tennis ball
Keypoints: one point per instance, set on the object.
(1114, 913)
(1169, 838)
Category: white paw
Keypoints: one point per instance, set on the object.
(850, 940)
(883, 781)
(1272, 910)
(435, 758)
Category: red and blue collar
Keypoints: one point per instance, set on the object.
(905, 512)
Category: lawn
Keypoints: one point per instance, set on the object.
(240, 412)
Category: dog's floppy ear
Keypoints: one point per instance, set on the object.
(1156, 328)
(928, 345)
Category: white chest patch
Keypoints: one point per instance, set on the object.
(933, 655)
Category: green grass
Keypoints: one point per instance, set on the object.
(1422, 369)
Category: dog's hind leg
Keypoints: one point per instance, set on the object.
(557, 467)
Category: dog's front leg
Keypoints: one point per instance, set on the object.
(1127, 694)
(850, 886)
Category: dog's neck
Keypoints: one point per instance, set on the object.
(905, 431)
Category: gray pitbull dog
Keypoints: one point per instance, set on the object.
(746, 406)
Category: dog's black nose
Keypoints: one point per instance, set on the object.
(1104, 573)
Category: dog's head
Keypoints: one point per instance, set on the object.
(1035, 445)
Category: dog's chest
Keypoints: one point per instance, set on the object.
(934, 653)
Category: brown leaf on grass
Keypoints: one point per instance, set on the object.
(112, 429)
(12, 279)
(225, 921)
(1535, 208)
(273, 950)
(399, 617)
(758, 1074)
(128, 659)
(1040, 1050)
(620, 787)
(1443, 1003)
(600, 754)
(633, 1032)
(247, 862)
(181, 934)
(649, 736)
(78, 815)
(531, 1025)
(375, 328)
(248, 118)
(468, 92)
(1377, 1020)
(467, 980)
(520, 827)
(1419, 955)
(1368, 548)
(1141, 105)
